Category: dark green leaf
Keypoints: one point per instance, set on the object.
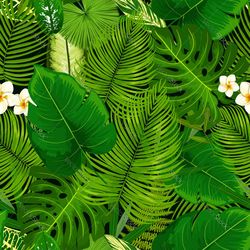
(50, 14)
(62, 128)
(211, 230)
(3, 216)
(45, 242)
(5, 204)
(218, 17)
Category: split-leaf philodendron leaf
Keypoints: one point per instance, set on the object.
(66, 121)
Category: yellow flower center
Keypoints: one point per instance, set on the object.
(247, 96)
(23, 104)
(229, 85)
(1, 96)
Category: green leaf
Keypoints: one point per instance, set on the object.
(5, 204)
(140, 12)
(56, 206)
(45, 242)
(218, 17)
(207, 177)
(17, 156)
(88, 23)
(190, 63)
(109, 242)
(61, 129)
(22, 43)
(49, 14)
(231, 139)
(145, 155)
(65, 57)
(208, 229)
(121, 67)
(3, 216)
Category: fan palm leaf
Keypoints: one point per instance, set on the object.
(22, 43)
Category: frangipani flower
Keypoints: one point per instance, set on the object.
(22, 102)
(228, 85)
(6, 96)
(243, 99)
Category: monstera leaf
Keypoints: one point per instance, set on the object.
(191, 63)
(61, 129)
(56, 207)
(207, 177)
(50, 14)
(218, 17)
(45, 242)
(209, 229)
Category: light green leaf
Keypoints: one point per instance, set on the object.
(17, 156)
(5, 204)
(61, 129)
(218, 17)
(90, 22)
(22, 43)
(209, 229)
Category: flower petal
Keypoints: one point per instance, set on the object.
(235, 86)
(241, 100)
(231, 78)
(245, 88)
(25, 111)
(247, 108)
(3, 106)
(7, 87)
(223, 80)
(31, 101)
(222, 88)
(12, 100)
(24, 94)
(229, 93)
(18, 110)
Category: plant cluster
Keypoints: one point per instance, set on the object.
(131, 129)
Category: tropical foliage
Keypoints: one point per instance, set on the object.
(127, 125)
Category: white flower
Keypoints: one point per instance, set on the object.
(22, 102)
(243, 99)
(6, 96)
(228, 85)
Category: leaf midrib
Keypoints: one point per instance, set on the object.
(216, 239)
(183, 65)
(60, 113)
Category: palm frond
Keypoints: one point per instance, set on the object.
(139, 11)
(134, 172)
(122, 66)
(17, 156)
(231, 139)
(22, 43)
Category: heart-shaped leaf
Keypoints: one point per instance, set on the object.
(66, 121)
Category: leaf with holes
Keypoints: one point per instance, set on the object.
(56, 206)
(45, 242)
(62, 129)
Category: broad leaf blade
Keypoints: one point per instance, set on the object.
(50, 14)
(45, 242)
(62, 128)
(229, 230)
